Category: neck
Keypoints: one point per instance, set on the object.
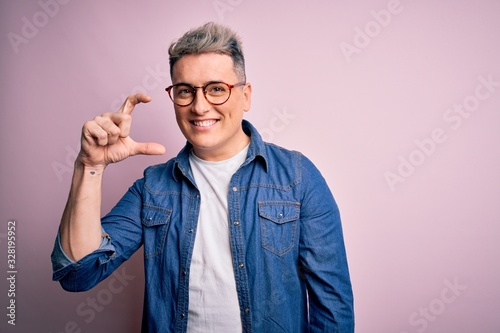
(216, 154)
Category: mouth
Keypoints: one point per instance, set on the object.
(204, 123)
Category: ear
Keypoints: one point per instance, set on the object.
(247, 95)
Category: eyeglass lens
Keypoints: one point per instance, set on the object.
(215, 93)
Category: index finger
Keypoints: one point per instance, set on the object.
(131, 101)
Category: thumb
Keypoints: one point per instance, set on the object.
(148, 148)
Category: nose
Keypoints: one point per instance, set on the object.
(200, 104)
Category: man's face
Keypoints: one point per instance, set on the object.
(214, 130)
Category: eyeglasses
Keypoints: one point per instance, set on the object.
(216, 93)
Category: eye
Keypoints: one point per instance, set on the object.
(183, 91)
(216, 89)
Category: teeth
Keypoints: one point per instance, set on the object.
(205, 123)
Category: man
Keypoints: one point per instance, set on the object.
(239, 235)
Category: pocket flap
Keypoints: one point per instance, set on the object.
(152, 216)
(279, 211)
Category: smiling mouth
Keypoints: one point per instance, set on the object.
(203, 123)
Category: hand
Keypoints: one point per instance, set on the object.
(106, 139)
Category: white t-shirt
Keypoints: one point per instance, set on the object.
(213, 300)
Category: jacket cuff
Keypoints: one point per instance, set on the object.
(62, 263)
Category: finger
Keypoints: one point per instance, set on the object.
(116, 124)
(149, 148)
(93, 133)
(110, 127)
(132, 100)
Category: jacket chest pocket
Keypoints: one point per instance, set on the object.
(278, 225)
(155, 221)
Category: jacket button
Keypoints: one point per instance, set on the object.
(236, 223)
(241, 265)
(235, 189)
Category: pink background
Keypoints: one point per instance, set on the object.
(424, 252)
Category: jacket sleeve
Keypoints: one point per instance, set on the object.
(124, 236)
(323, 258)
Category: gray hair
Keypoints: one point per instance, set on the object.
(210, 38)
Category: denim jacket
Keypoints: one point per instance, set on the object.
(286, 241)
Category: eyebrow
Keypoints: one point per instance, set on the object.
(204, 84)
